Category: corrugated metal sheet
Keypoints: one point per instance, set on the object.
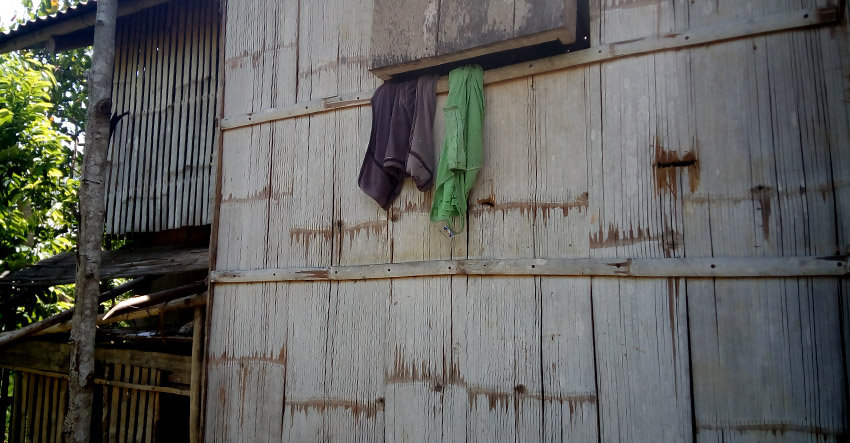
(161, 155)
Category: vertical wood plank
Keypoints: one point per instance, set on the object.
(38, 417)
(114, 412)
(150, 408)
(63, 405)
(138, 417)
(497, 320)
(354, 367)
(779, 197)
(561, 216)
(105, 402)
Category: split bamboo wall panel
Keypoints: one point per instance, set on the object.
(737, 148)
(40, 401)
(160, 160)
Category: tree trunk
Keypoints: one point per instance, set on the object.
(92, 208)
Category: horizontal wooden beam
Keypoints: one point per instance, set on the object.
(737, 267)
(597, 54)
(103, 381)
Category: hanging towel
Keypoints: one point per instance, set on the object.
(400, 143)
(463, 151)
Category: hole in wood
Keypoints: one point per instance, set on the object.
(388, 269)
(532, 266)
(687, 37)
(840, 264)
(806, 16)
(486, 202)
(713, 266)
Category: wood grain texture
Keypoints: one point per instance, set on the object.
(438, 32)
(777, 201)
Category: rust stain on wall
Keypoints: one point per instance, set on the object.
(503, 399)
(306, 236)
(545, 209)
(669, 240)
(410, 373)
(774, 428)
(262, 195)
(666, 168)
(367, 410)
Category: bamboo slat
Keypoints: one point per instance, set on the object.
(134, 397)
(63, 406)
(114, 403)
(17, 408)
(54, 409)
(29, 425)
(38, 418)
(105, 396)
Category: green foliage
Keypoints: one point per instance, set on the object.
(42, 119)
(37, 192)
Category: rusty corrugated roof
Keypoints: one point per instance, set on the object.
(38, 23)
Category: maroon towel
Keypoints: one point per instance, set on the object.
(401, 117)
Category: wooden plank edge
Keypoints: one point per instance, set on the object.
(739, 267)
(597, 54)
(563, 34)
(101, 381)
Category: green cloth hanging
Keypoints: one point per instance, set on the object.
(463, 151)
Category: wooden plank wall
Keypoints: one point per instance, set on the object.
(738, 148)
(39, 404)
(38, 408)
(161, 155)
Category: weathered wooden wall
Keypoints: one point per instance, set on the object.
(737, 148)
(161, 155)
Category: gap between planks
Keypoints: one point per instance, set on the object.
(596, 54)
(762, 267)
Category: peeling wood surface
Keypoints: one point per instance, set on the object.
(730, 153)
(436, 33)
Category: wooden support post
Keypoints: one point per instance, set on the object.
(197, 379)
(92, 214)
